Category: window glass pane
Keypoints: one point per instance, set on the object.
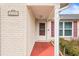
(60, 28)
(68, 32)
(60, 32)
(68, 25)
(42, 29)
(61, 25)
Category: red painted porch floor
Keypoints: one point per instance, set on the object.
(43, 49)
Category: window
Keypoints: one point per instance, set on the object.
(61, 32)
(68, 28)
(61, 28)
(42, 29)
(65, 29)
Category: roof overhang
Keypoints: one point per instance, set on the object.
(42, 11)
(71, 11)
(69, 16)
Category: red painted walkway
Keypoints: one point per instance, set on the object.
(42, 49)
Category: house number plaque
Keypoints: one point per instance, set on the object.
(13, 13)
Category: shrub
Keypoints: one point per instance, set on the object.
(73, 51)
(71, 47)
(63, 44)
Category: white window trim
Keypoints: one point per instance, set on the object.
(64, 29)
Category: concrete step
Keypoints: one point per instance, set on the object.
(43, 49)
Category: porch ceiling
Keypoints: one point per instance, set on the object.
(42, 11)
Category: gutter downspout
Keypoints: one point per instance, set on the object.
(0, 31)
(56, 25)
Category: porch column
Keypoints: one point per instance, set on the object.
(56, 25)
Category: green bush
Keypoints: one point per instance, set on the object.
(73, 51)
(71, 47)
(63, 44)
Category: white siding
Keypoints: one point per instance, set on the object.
(48, 30)
(31, 30)
(49, 37)
(13, 30)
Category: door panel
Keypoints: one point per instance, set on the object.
(41, 30)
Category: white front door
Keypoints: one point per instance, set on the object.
(41, 30)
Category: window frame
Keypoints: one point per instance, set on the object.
(65, 29)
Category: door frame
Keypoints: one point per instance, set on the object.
(38, 36)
